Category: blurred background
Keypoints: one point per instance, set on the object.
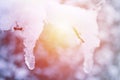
(106, 56)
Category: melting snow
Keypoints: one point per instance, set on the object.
(30, 15)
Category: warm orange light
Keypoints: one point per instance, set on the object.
(60, 35)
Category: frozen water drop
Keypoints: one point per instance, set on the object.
(87, 66)
(30, 61)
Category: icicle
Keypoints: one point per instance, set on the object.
(34, 15)
(29, 56)
(31, 15)
(88, 61)
(31, 34)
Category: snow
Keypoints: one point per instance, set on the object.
(31, 15)
(66, 64)
(84, 21)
